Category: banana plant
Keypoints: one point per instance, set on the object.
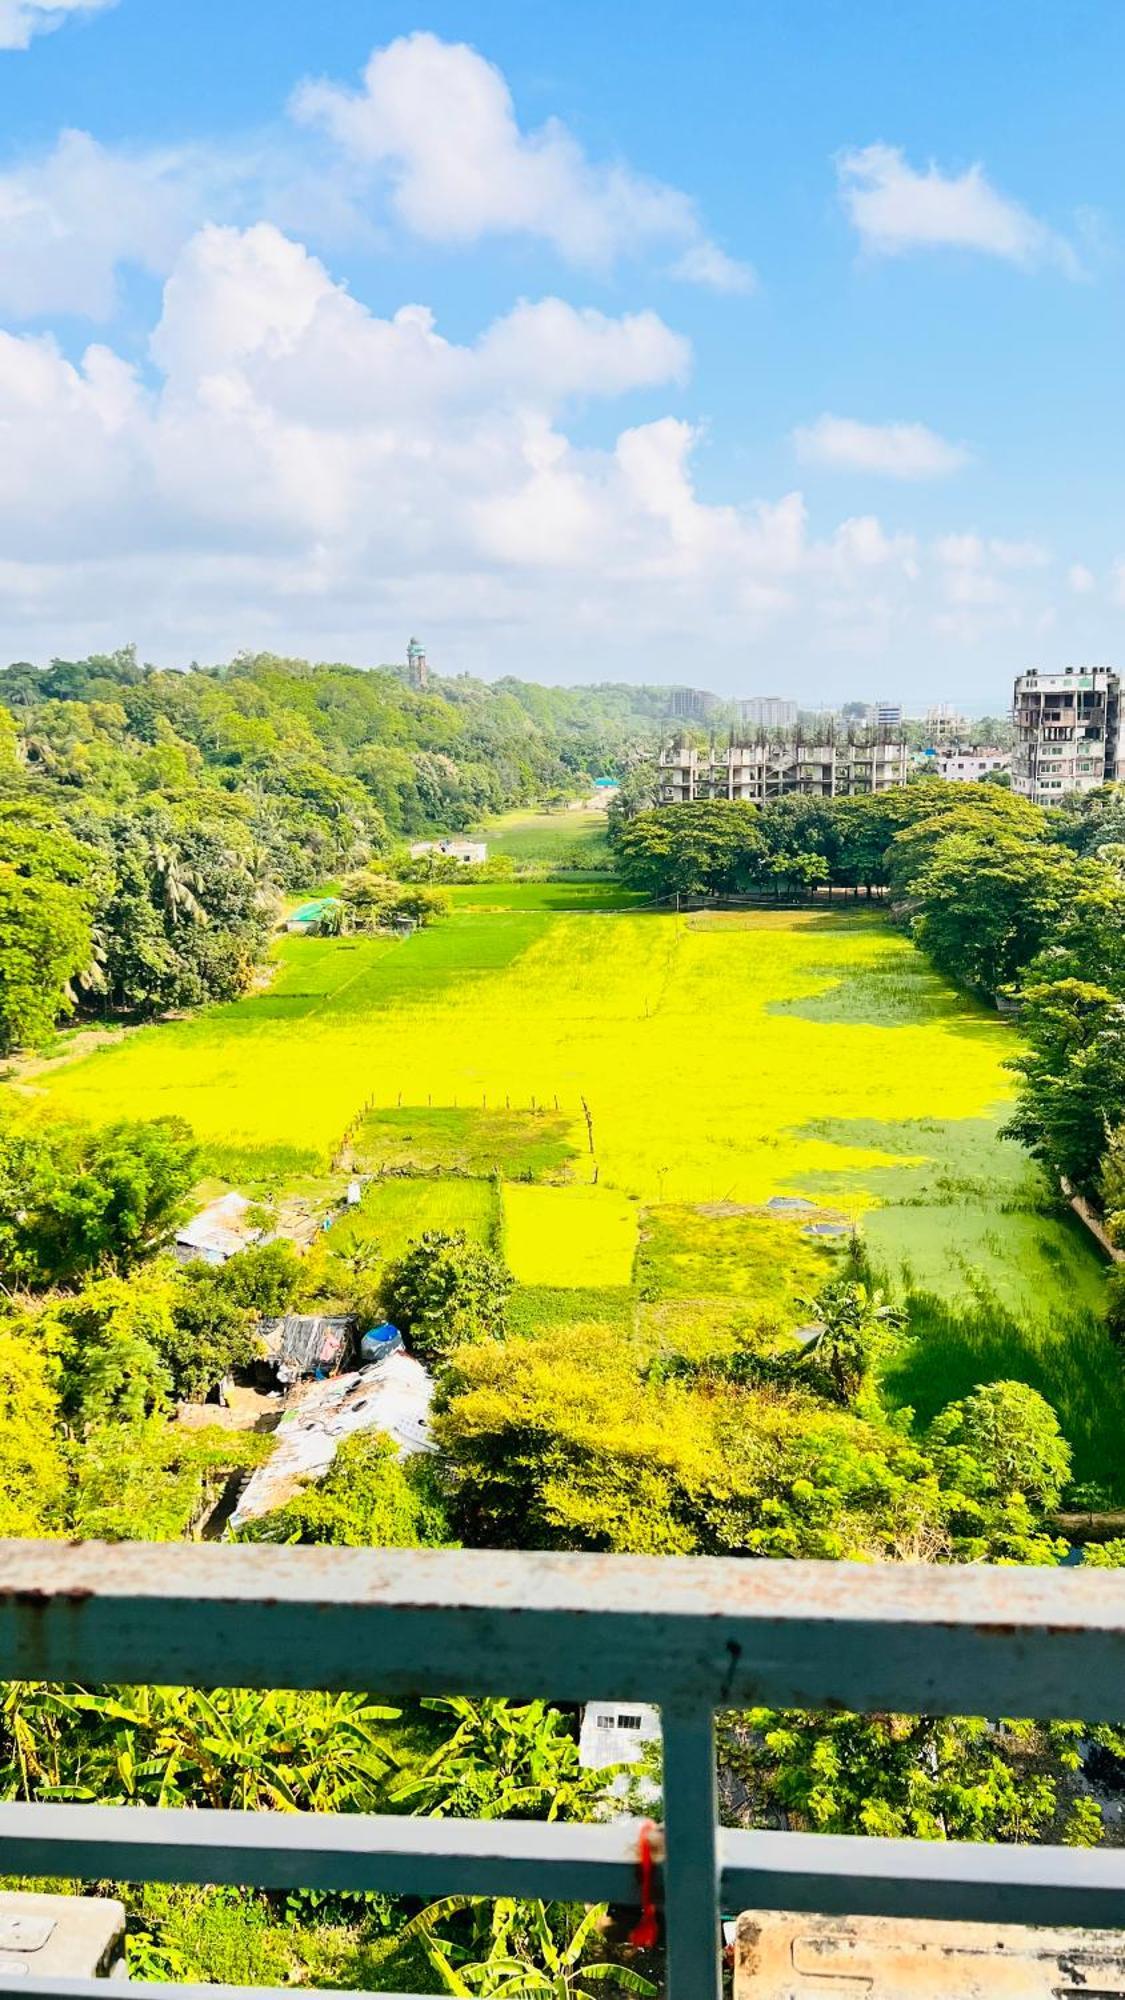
(523, 1951)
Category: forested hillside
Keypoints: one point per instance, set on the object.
(149, 821)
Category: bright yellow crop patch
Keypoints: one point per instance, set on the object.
(704, 1052)
(569, 1236)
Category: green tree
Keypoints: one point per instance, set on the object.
(446, 1291)
(238, 1748)
(891, 1776)
(1072, 1091)
(986, 905)
(75, 1199)
(1001, 1441)
(112, 1339)
(368, 1499)
(212, 1335)
(690, 850)
(47, 890)
(33, 1478)
(502, 1760)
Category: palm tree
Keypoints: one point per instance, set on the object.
(853, 1325)
(524, 1955)
(176, 881)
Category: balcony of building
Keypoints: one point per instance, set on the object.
(691, 1636)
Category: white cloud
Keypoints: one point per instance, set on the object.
(439, 121)
(20, 20)
(898, 451)
(896, 208)
(1080, 579)
(297, 471)
(68, 220)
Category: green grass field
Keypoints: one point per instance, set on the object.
(715, 1063)
(575, 838)
(394, 1212)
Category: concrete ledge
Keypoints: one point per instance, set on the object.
(783, 1956)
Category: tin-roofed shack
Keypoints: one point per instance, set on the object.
(392, 1397)
(302, 1346)
(219, 1231)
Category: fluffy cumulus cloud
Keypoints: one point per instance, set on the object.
(71, 218)
(439, 121)
(896, 451)
(898, 208)
(289, 468)
(20, 20)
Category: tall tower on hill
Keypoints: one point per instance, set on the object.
(417, 671)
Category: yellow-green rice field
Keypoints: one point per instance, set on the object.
(676, 1060)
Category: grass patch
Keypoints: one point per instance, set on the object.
(573, 1237)
(1069, 1358)
(572, 839)
(1035, 1266)
(888, 992)
(520, 1145)
(765, 1260)
(394, 1213)
(543, 896)
(547, 1308)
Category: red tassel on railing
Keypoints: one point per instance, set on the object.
(647, 1932)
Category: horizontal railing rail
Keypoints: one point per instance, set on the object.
(692, 1636)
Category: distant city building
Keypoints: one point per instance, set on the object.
(768, 711)
(945, 725)
(1069, 735)
(962, 764)
(754, 772)
(692, 704)
(888, 714)
(417, 671)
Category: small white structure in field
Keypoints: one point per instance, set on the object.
(354, 1195)
(616, 1732)
(470, 853)
(392, 1396)
(219, 1231)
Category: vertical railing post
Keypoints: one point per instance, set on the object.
(691, 1869)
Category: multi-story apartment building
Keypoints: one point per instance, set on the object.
(944, 724)
(769, 712)
(692, 704)
(758, 771)
(888, 714)
(1069, 735)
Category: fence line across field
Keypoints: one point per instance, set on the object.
(694, 1635)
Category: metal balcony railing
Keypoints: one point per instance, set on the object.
(693, 1636)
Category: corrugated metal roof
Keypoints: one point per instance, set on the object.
(392, 1397)
(219, 1230)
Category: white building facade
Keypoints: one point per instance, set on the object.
(1068, 733)
(968, 764)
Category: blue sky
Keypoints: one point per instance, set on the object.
(774, 348)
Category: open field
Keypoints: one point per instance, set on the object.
(575, 838)
(562, 895)
(715, 1065)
